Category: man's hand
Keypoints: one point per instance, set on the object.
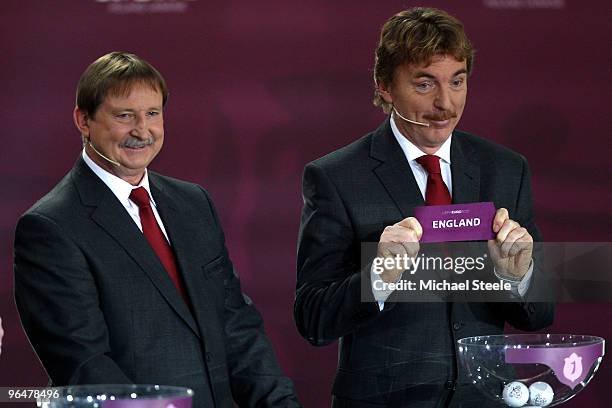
(512, 247)
(401, 239)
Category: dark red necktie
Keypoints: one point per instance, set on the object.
(436, 192)
(156, 238)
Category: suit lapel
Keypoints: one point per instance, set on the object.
(465, 171)
(188, 250)
(394, 171)
(397, 178)
(111, 216)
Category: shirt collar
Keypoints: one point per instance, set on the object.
(412, 152)
(120, 188)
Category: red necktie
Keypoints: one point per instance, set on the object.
(436, 192)
(156, 238)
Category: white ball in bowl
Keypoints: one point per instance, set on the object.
(540, 394)
(516, 394)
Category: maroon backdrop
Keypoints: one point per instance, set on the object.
(260, 88)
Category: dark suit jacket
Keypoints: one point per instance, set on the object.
(404, 355)
(99, 307)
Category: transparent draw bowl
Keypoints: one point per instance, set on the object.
(118, 396)
(552, 368)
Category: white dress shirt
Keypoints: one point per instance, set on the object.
(122, 190)
(412, 153)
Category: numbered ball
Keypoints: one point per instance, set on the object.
(516, 394)
(540, 394)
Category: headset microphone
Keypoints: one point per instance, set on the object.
(410, 121)
(100, 154)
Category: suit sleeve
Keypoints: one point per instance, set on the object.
(330, 284)
(530, 314)
(57, 299)
(255, 376)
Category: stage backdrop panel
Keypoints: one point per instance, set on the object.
(258, 89)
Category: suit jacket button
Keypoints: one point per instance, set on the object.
(208, 357)
(456, 326)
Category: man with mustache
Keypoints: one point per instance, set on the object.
(122, 275)
(402, 354)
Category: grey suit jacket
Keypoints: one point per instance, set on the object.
(98, 306)
(405, 354)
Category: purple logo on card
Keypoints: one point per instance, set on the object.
(457, 222)
(567, 363)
